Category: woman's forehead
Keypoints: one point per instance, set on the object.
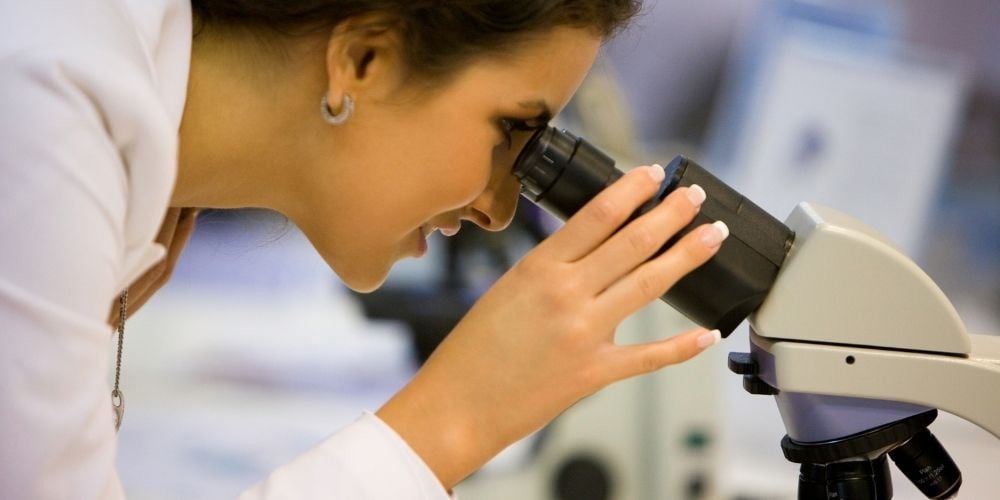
(542, 74)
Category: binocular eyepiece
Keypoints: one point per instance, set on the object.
(562, 172)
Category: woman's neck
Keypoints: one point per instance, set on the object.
(243, 128)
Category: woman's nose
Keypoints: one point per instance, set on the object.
(494, 208)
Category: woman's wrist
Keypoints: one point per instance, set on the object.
(442, 430)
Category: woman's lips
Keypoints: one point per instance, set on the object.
(421, 243)
(428, 229)
(423, 232)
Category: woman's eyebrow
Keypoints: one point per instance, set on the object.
(537, 104)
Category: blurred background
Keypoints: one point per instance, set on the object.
(886, 110)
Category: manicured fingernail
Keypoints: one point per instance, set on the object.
(715, 235)
(709, 339)
(696, 194)
(656, 173)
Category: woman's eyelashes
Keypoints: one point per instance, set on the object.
(510, 125)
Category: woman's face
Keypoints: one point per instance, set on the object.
(408, 166)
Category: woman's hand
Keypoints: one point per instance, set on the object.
(175, 232)
(543, 336)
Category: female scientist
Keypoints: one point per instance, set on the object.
(369, 124)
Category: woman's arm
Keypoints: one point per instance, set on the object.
(62, 209)
(542, 337)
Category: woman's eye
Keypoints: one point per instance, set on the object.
(509, 126)
(506, 129)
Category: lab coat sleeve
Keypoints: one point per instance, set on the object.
(62, 199)
(366, 460)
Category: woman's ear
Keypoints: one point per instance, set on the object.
(362, 56)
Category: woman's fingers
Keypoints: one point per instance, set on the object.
(642, 238)
(637, 359)
(603, 215)
(655, 277)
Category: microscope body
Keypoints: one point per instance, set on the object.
(858, 345)
(850, 316)
(859, 348)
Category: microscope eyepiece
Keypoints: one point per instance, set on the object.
(561, 173)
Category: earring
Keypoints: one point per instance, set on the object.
(346, 107)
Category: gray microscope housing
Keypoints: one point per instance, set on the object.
(850, 316)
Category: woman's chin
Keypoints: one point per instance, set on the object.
(363, 272)
(362, 275)
(366, 281)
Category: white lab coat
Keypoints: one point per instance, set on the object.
(91, 97)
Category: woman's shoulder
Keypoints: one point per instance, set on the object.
(114, 50)
(66, 26)
(94, 90)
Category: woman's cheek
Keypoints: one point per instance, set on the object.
(465, 185)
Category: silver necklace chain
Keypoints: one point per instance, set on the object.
(117, 397)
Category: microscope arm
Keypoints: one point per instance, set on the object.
(851, 322)
(966, 387)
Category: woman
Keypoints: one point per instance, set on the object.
(370, 124)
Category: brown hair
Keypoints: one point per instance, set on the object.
(437, 36)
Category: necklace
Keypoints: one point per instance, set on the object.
(117, 397)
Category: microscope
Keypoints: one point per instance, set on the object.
(858, 346)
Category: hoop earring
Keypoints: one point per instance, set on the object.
(346, 108)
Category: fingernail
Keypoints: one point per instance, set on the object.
(716, 234)
(656, 173)
(709, 339)
(696, 194)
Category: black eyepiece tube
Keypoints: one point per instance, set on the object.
(561, 173)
